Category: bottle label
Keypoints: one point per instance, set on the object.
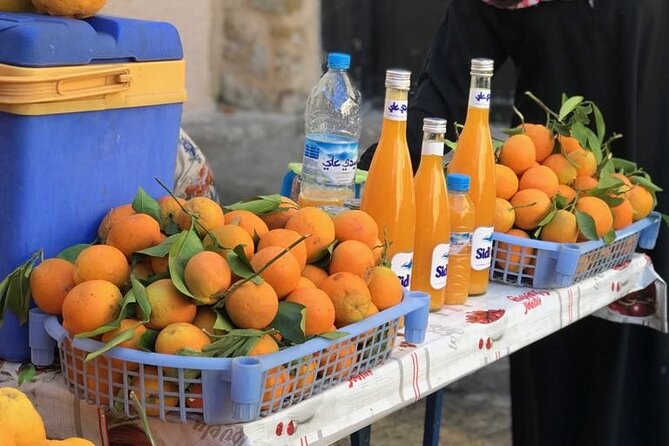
(481, 248)
(432, 148)
(439, 266)
(460, 242)
(330, 160)
(396, 110)
(479, 98)
(401, 264)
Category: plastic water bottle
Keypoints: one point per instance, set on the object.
(332, 128)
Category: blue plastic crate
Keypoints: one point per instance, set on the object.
(233, 390)
(539, 264)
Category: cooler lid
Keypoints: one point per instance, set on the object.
(35, 40)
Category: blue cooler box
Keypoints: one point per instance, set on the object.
(89, 111)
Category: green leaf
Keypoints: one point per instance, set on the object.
(171, 228)
(594, 145)
(599, 123)
(547, 219)
(145, 204)
(128, 300)
(241, 266)
(607, 169)
(560, 201)
(147, 341)
(70, 254)
(333, 335)
(665, 218)
(607, 182)
(289, 321)
(120, 338)
(237, 342)
(323, 259)
(450, 144)
(579, 131)
(586, 225)
(624, 165)
(162, 249)
(296, 168)
(360, 176)
(513, 131)
(223, 321)
(18, 294)
(609, 237)
(568, 106)
(155, 278)
(140, 296)
(259, 205)
(645, 182)
(186, 246)
(27, 373)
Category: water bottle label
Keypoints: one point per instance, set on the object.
(460, 243)
(479, 98)
(481, 248)
(401, 264)
(396, 110)
(330, 161)
(439, 266)
(432, 148)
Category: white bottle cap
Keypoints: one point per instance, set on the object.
(434, 125)
(398, 79)
(482, 67)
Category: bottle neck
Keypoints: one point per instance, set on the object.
(479, 96)
(395, 114)
(458, 192)
(433, 145)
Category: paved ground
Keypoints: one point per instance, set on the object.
(249, 152)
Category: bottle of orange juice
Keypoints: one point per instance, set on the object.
(433, 231)
(388, 194)
(462, 218)
(474, 157)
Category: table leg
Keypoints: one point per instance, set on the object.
(363, 437)
(433, 405)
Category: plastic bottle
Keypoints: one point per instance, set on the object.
(388, 195)
(332, 129)
(433, 229)
(462, 216)
(474, 157)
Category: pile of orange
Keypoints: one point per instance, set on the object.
(333, 270)
(543, 179)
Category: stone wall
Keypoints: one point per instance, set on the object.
(271, 53)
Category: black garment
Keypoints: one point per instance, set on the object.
(595, 382)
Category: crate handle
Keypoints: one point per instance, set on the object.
(41, 89)
(55, 330)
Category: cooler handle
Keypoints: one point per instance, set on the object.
(39, 89)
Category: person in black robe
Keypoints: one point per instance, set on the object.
(595, 382)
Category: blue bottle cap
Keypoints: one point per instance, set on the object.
(457, 182)
(339, 61)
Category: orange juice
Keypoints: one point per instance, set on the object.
(431, 241)
(388, 195)
(462, 218)
(474, 157)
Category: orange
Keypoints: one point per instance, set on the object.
(150, 397)
(278, 218)
(561, 166)
(305, 374)
(98, 383)
(50, 282)
(20, 423)
(195, 401)
(79, 9)
(585, 162)
(283, 274)
(179, 336)
(542, 178)
(584, 183)
(513, 256)
(567, 192)
(283, 238)
(543, 140)
(112, 217)
(518, 153)
(102, 262)
(350, 296)
(142, 270)
(205, 319)
(314, 274)
(338, 359)
(305, 283)
(248, 221)
(252, 306)
(627, 184)
(132, 343)
(208, 213)
(320, 312)
(569, 144)
(90, 305)
(169, 208)
(354, 257)
(531, 206)
(372, 311)
(599, 211)
(506, 182)
(642, 202)
(561, 229)
(227, 238)
(623, 215)
(276, 384)
(134, 233)
(318, 225)
(265, 346)
(207, 275)
(160, 265)
(168, 305)
(72, 441)
(377, 250)
(505, 215)
(356, 225)
(385, 288)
